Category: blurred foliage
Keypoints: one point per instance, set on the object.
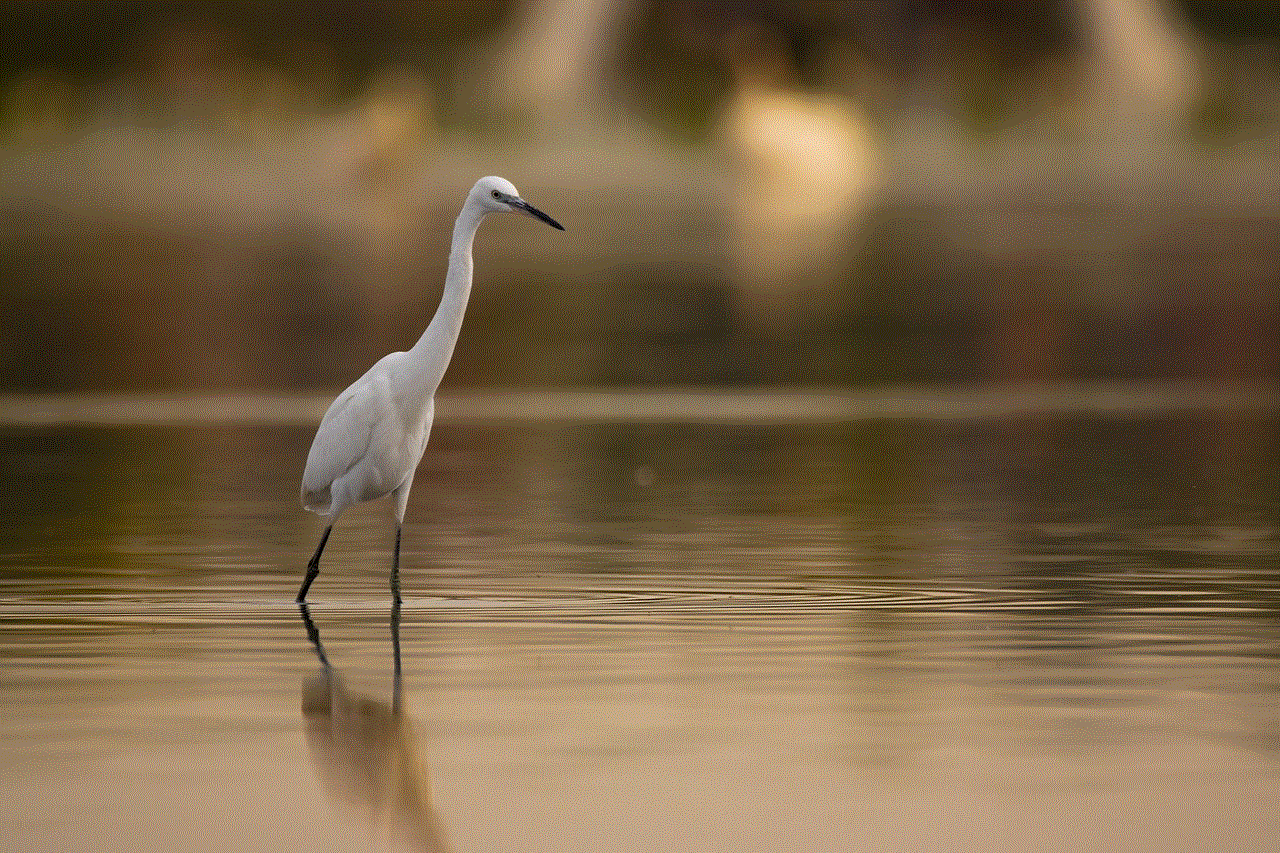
(55, 54)
(91, 39)
(60, 57)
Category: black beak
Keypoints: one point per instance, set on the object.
(524, 207)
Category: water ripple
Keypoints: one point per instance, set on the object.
(621, 604)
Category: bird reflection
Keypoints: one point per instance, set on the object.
(365, 752)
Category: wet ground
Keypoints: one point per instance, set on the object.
(946, 627)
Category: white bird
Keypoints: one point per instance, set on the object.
(372, 437)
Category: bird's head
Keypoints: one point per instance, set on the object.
(498, 195)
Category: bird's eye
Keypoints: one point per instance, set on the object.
(496, 194)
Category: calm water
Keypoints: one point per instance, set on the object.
(924, 634)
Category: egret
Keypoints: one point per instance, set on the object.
(372, 437)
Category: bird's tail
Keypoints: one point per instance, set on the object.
(319, 501)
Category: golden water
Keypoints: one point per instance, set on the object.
(958, 633)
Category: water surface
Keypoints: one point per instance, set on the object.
(985, 630)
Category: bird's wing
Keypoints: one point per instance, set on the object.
(342, 440)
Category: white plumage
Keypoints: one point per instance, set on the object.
(373, 435)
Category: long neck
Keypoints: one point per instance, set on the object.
(434, 349)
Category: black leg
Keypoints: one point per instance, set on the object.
(313, 567)
(397, 687)
(395, 569)
(313, 634)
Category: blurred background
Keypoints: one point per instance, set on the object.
(937, 510)
(260, 196)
